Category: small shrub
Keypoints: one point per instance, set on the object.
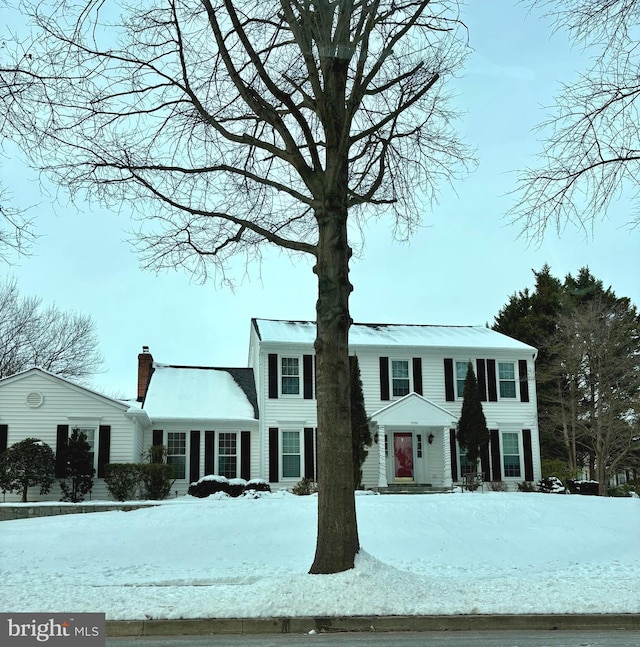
(527, 486)
(551, 485)
(156, 480)
(498, 486)
(208, 485)
(630, 489)
(236, 487)
(123, 480)
(590, 488)
(257, 485)
(305, 487)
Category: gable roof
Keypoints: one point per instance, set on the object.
(416, 408)
(201, 392)
(36, 371)
(368, 334)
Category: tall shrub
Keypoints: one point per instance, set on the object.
(27, 463)
(473, 434)
(78, 467)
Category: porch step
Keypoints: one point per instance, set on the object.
(413, 488)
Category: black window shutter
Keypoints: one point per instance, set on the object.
(274, 459)
(62, 438)
(528, 454)
(491, 380)
(384, 378)
(273, 375)
(104, 448)
(496, 466)
(307, 376)
(524, 380)
(484, 463)
(209, 448)
(245, 455)
(481, 375)
(157, 437)
(194, 456)
(309, 453)
(453, 448)
(417, 375)
(449, 392)
(4, 438)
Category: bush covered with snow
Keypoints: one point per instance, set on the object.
(214, 484)
(589, 488)
(551, 485)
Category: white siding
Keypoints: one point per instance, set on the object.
(63, 404)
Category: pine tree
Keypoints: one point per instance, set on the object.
(473, 434)
(360, 430)
(79, 468)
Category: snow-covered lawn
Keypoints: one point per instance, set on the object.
(421, 554)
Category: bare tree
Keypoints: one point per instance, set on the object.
(601, 350)
(226, 124)
(591, 144)
(64, 343)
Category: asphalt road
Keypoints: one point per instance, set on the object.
(620, 638)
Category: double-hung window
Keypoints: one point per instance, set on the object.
(511, 454)
(400, 377)
(507, 379)
(290, 375)
(461, 376)
(228, 455)
(177, 453)
(291, 457)
(90, 433)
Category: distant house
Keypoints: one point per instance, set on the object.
(260, 421)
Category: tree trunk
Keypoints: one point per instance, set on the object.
(337, 539)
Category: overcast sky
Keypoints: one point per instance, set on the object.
(460, 268)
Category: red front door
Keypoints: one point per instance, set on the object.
(403, 455)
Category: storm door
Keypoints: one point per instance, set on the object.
(403, 456)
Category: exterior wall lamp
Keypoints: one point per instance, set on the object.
(430, 438)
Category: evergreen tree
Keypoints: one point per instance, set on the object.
(360, 430)
(473, 434)
(78, 468)
(25, 464)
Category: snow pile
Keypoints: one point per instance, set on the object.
(248, 557)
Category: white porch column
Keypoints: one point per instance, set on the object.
(446, 453)
(382, 461)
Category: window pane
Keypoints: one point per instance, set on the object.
(510, 443)
(512, 466)
(176, 442)
(400, 368)
(506, 371)
(291, 466)
(290, 442)
(507, 389)
(227, 444)
(228, 466)
(178, 464)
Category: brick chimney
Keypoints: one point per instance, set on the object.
(145, 367)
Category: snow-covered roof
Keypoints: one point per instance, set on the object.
(194, 392)
(304, 332)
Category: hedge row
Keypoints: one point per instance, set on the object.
(213, 484)
(128, 481)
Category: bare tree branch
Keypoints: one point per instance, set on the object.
(591, 145)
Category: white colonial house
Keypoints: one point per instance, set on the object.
(260, 421)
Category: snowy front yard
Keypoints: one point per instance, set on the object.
(421, 554)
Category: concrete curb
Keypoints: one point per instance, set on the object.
(303, 625)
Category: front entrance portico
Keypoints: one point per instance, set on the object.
(413, 442)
